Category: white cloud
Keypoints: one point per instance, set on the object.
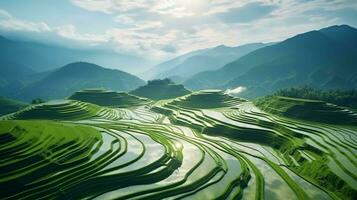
(70, 32)
(133, 24)
(4, 14)
(110, 6)
(19, 25)
(236, 90)
(9, 23)
(166, 28)
(95, 5)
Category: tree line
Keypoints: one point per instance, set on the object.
(339, 97)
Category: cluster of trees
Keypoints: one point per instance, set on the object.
(37, 101)
(338, 97)
(165, 81)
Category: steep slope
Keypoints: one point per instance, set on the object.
(76, 76)
(206, 59)
(160, 89)
(167, 65)
(323, 59)
(108, 98)
(9, 105)
(43, 57)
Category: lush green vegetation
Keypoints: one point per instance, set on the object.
(108, 98)
(34, 150)
(58, 110)
(339, 97)
(207, 99)
(204, 145)
(306, 109)
(160, 89)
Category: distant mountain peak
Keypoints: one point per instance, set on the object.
(79, 67)
(82, 64)
(338, 27)
(194, 62)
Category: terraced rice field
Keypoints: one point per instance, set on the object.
(173, 149)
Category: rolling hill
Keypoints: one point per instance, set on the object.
(322, 59)
(68, 79)
(160, 89)
(194, 62)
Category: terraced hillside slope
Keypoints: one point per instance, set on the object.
(307, 109)
(108, 98)
(160, 89)
(207, 99)
(9, 105)
(63, 110)
(177, 149)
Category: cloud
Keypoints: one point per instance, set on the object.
(152, 27)
(4, 14)
(170, 48)
(95, 5)
(247, 13)
(111, 6)
(236, 90)
(70, 32)
(9, 23)
(162, 29)
(133, 24)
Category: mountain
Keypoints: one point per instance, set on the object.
(325, 59)
(194, 62)
(43, 57)
(12, 76)
(160, 89)
(66, 80)
(9, 105)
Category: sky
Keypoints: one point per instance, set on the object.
(162, 29)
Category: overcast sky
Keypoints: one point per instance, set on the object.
(159, 29)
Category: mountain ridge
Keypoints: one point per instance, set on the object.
(194, 62)
(314, 58)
